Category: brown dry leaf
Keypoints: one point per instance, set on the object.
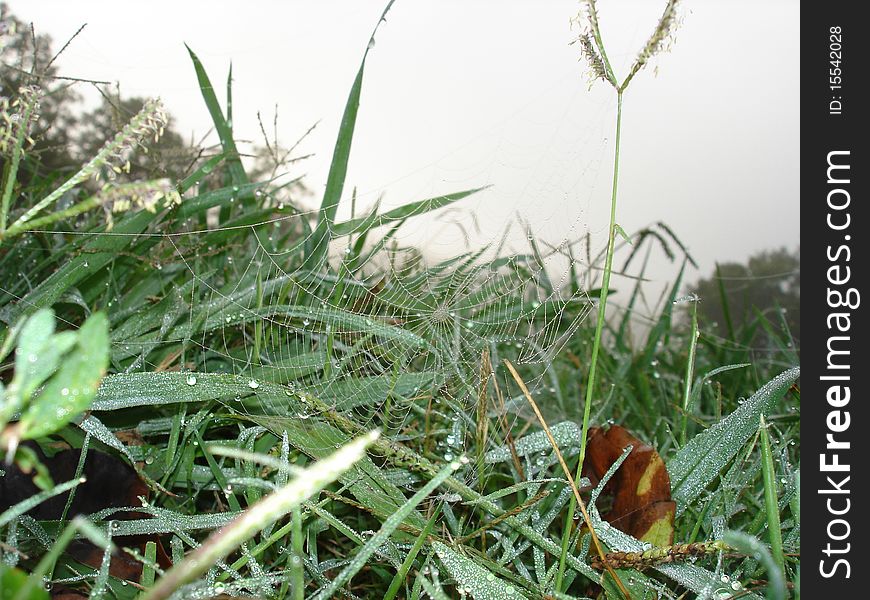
(641, 488)
(110, 482)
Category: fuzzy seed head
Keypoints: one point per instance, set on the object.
(139, 195)
(596, 65)
(587, 20)
(17, 118)
(661, 39)
(144, 128)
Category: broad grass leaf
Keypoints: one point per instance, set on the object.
(126, 390)
(474, 579)
(13, 581)
(566, 434)
(701, 460)
(72, 389)
(38, 354)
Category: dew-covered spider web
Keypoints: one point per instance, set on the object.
(241, 278)
(380, 335)
(372, 309)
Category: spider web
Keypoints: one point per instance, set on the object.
(383, 330)
(397, 345)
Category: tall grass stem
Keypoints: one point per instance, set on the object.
(599, 330)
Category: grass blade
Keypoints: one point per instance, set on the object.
(473, 578)
(322, 234)
(412, 209)
(224, 131)
(257, 517)
(402, 573)
(747, 544)
(690, 373)
(386, 529)
(771, 504)
(700, 461)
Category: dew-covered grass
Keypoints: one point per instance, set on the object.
(314, 411)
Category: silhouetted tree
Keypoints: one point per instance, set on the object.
(769, 281)
(64, 137)
(26, 59)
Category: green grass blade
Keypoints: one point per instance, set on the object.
(335, 180)
(297, 571)
(121, 391)
(701, 460)
(218, 197)
(148, 571)
(742, 542)
(13, 512)
(412, 209)
(223, 128)
(690, 374)
(385, 531)
(366, 481)
(257, 517)
(402, 573)
(771, 503)
(322, 234)
(95, 254)
(473, 578)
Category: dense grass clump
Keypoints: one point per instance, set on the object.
(277, 403)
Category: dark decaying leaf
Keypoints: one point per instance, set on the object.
(110, 483)
(641, 488)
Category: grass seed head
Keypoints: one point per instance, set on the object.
(145, 127)
(17, 118)
(139, 195)
(596, 65)
(662, 37)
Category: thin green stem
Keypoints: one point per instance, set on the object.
(9, 184)
(599, 329)
(771, 502)
(12, 169)
(296, 570)
(690, 374)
